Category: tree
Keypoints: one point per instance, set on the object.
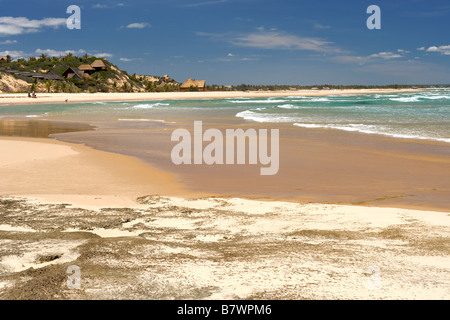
(48, 85)
(43, 57)
(8, 58)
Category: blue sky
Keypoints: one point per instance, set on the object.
(243, 41)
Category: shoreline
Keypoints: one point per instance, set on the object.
(16, 98)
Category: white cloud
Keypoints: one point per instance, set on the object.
(52, 53)
(79, 52)
(102, 55)
(8, 42)
(13, 54)
(107, 6)
(386, 55)
(445, 50)
(57, 53)
(126, 59)
(21, 25)
(370, 58)
(137, 25)
(100, 6)
(321, 26)
(284, 41)
(204, 3)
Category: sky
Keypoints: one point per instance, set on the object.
(230, 42)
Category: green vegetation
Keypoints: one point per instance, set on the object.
(110, 80)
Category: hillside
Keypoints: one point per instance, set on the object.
(52, 74)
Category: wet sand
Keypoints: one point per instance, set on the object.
(316, 165)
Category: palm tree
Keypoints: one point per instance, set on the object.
(48, 85)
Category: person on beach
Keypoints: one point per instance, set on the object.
(34, 95)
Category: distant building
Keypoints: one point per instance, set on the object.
(53, 75)
(3, 59)
(99, 65)
(87, 68)
(73, 73)
(199, 85)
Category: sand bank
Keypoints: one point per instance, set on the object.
(148, 96)
(54, 171)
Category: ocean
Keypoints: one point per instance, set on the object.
(422, 115)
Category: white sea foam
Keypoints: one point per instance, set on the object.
(406, 99)
(370, 129)
(287, 106)
(263, 117)
(149, 106)
(421, 97)
(436, 97)
(258, 101)
(32, 116)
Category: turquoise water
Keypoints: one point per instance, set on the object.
(422, 115)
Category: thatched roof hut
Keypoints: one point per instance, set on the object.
(199, 85)
(86, 68)
(52, 75)
(98, 65)
(73, 73)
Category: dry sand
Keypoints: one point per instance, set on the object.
(87, 97)
(64, 204)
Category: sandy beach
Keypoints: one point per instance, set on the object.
(318, 170)
(89, 97)
(137, 233)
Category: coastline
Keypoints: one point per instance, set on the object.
(12, 98)
(138, 232)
